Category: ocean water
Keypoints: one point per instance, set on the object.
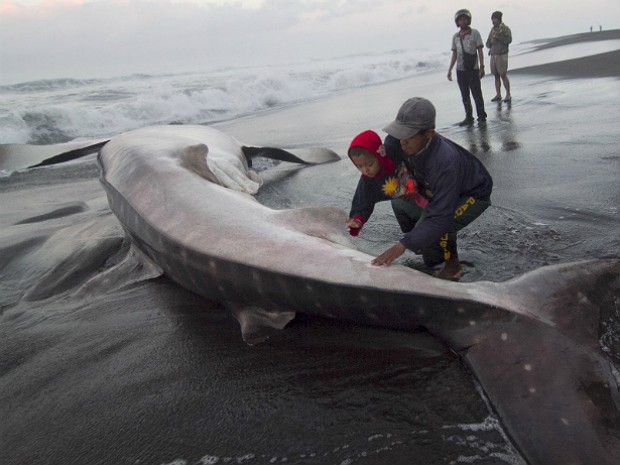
(61, 110)
(52, 111)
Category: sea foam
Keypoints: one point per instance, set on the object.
(61, 110)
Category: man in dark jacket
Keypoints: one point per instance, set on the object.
(455, 183)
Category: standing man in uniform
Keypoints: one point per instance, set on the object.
(467, 47)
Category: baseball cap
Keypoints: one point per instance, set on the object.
(415, 115)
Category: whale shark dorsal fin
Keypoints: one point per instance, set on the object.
(324, 222)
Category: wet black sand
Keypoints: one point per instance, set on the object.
(601, 65)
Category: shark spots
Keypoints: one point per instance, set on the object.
(467, 313)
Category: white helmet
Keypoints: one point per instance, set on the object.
(460, 13)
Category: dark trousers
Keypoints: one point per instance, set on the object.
(408, 215)
(469, 81)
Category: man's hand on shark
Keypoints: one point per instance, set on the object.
(391, 254)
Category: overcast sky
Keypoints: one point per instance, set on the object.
(42, 39)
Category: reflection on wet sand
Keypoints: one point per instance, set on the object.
(503, 129)
(508, 131)
(478, 139)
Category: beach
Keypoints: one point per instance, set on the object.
(104, 361)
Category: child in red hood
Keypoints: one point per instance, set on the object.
(383, 178)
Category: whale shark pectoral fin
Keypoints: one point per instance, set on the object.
(258, 324)
(194, 159)
(305, 156)
(134, 267)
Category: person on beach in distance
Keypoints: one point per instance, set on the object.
(455, 184)
(497, 43)
(467, 54)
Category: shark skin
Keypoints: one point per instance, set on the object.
(533, 342)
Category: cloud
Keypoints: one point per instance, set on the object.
(111, 37)
(70, 38)
(82, 38)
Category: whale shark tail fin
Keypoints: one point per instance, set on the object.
(305, 156)
(551, 369)
(574, 297)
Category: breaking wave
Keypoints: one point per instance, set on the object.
(60, 110)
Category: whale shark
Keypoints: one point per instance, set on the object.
(183, 195)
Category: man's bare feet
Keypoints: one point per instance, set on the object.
(451, 271)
